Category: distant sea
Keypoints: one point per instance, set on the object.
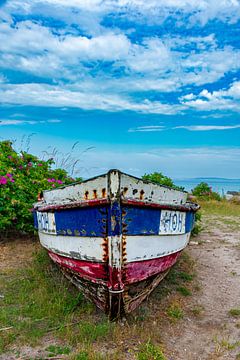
(219, 185)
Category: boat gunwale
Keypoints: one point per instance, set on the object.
(188, 206)
(121, 173)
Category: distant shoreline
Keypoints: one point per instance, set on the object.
(220, 185)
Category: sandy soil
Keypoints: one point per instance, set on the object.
(214, 334)
(211, 332)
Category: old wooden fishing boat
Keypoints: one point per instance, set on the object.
(115, 236)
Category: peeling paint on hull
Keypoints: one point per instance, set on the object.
(115, 236)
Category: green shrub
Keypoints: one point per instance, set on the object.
(198, 224)
(204, 191)
(22, 177)
(160, 179)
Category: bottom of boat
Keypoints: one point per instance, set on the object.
(139, 278)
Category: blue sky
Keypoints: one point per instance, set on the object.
(143, 85)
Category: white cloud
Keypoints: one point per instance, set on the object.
(26, 122)
(201, 11)
(216, 100)
(147, 128)
(208, 127)
(151, 56)
(28, 37)
(3, 79)
(60, 96)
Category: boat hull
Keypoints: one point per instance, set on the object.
(116, 248)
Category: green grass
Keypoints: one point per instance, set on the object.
(39, 301)
(149, 351)
(175, 312)
(197, 310)
(224, 208)
(184, 291)
(55, 350)
(234, 312)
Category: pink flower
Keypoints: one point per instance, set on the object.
(12, 180)
(9, 175)
(10, 156)
(39, 164)
(59, 181)
(3, 180)
(49, 180)
(20, 167)
(53, 185)
(29, 164)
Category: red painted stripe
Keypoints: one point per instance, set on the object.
(141, 270)
(84, 203)
(95, 272)
(133, 272)
(190, 207)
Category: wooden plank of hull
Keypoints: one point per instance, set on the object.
(92, 279)
(141, 270)
(153, 246)
(75, 247)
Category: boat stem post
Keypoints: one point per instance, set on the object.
(115, 286)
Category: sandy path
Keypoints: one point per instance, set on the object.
(214, 334)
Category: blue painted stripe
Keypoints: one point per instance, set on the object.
(137, 221)
(190, 219)
(35, 220)
(146, 221)
(82, 222)
(115, 219)
(102, 221)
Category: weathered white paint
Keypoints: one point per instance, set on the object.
(46, 222)
(172, 222)
(77, 192)
(131, 188)
(114, 182)
(154, 246)
(115, 251)
(75, 247)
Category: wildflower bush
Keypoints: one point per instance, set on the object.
(22, 177)
(204, 191)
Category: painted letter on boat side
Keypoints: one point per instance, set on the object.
(172, 222)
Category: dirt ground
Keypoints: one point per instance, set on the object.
(214, 334)
(211, 333)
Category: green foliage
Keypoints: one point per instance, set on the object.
(175, 312)
(57, 350)
(150, 352)
(160, 179)
(197, 225)
(22, 177)
(184, 291)
(83, 355)
(204, 191)
(234, 312)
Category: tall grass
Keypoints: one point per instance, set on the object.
(223, 207)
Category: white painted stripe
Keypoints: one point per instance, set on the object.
(46, 222)
(172, 222)
(75, 247)
(154, 246)
(132, 187)
(76, 192)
